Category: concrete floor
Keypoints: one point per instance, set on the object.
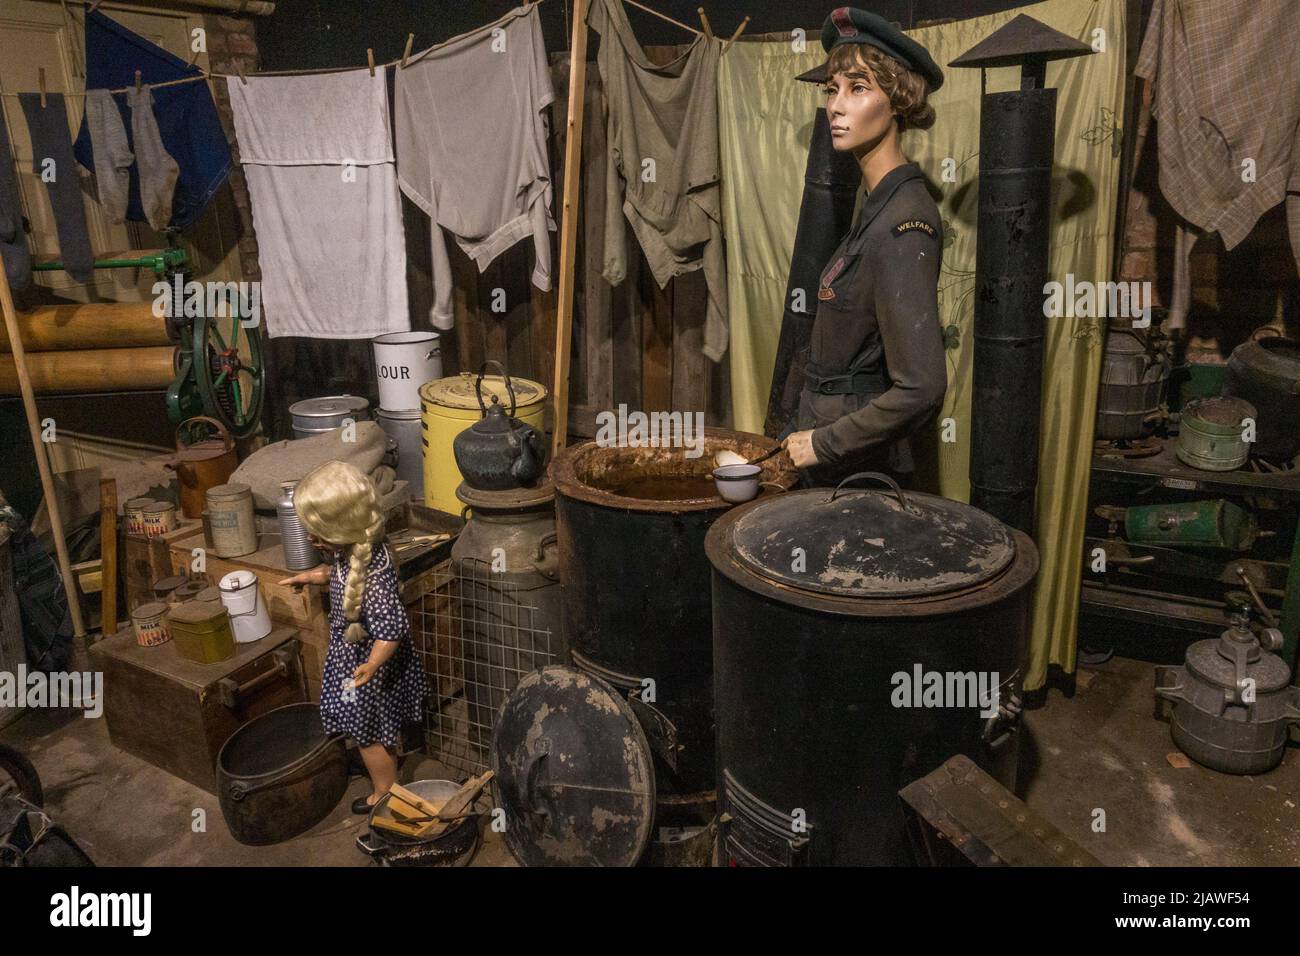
(1101, 748)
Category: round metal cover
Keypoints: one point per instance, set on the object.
(459, 391)
(872, 543)
(573, 772)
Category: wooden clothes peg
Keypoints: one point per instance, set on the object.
(370, 58)
(410, 38)
(735, 36)
(137, 81)
(704, 22)
(240, 70)
(41, 75)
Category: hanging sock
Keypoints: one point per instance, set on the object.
(113, 156)
(51, 141)
(185, 115)
(13, 238)
(158, 171)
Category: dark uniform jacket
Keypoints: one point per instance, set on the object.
(878, 313)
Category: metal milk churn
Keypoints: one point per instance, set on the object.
(299, 553)
(507, 574)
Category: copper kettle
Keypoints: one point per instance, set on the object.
(202, 465)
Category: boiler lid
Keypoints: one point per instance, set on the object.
(869, 543)
(573, 772)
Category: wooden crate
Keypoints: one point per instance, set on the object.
(176, 714)
(303, 609)
(148, 560)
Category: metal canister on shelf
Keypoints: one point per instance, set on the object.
(209, 593)
(164, 589)
(133, 514)
(159, 519)
(149, 621)
(230, 516)
(299, 553)
(201, 631)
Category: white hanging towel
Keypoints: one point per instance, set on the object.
(318, 156)
(471, 146)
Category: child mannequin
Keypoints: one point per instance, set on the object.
(372, 685)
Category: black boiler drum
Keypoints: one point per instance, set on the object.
(860, 639)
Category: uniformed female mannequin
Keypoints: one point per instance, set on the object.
(876, 371)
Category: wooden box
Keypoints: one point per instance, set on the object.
(176, 714)
(302, 608)
(960, 816)
(146, 561)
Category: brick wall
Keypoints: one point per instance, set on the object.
(232, 46)
(1233, 293)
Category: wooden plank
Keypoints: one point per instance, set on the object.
(690, 367)
(108, 555)
(569, 221)
(597, 296)
(657, 344)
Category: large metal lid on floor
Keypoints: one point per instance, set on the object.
(573, 772)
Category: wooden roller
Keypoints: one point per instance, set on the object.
(92, 370)
(93, 325)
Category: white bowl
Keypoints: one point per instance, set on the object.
(737, 483)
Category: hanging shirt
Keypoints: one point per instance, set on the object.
(471, 146)
(318, 156)
(1226, 100)
(663, 166)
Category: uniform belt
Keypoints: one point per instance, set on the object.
(824, 381)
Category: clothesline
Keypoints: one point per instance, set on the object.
(404, 60)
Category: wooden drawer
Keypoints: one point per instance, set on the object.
(176, 714)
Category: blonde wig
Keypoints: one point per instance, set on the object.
(340, 505)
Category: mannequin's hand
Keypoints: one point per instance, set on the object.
(363, 673)
(800, 447)
(317, 575)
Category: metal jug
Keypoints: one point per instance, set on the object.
(202, 465)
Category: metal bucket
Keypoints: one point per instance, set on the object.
(405, 430)
(1266, 373)
(403, 362)
(455, 846)
(279, 775)
(1210, 436)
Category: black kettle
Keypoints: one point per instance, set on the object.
(498, 452)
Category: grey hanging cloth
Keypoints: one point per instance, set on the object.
(831, 182)
(51, 140)
(13, 237)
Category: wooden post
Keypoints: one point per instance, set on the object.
(42, 460)
(108, 556)
(569, 222)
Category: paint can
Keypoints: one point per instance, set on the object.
(149, 621)
(230, 516)
(403, 362)
(133, 515)
(159, 519)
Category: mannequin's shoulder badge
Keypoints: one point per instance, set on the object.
(915, 225)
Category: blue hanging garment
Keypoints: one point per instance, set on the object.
(187, 118)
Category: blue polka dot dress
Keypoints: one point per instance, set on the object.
(377, 711)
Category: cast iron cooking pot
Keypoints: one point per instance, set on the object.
(280, 774)
(455, 846)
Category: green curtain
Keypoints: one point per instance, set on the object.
(766, 119)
